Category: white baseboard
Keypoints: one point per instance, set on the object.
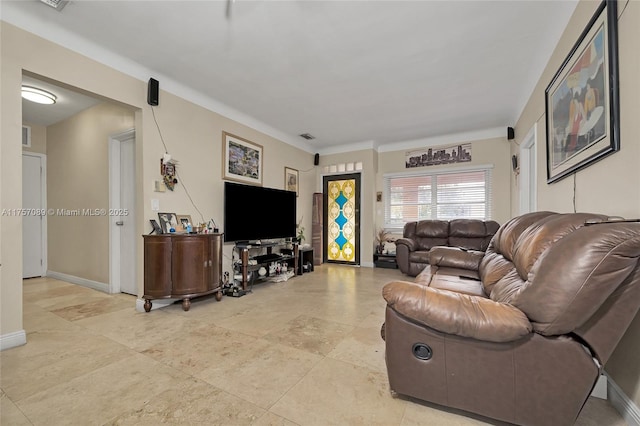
(621, 402)
(155, 304)
(11, 340)
(104, 287)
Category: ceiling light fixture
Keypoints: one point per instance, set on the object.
(56, 4)
(40, 96)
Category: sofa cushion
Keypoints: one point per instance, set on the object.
(432, 229)
(471, 234)
(556, 269)
(456, 313)
(455, 257)
(590, 269)
(452, 279)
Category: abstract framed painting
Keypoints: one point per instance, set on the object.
(581, 102)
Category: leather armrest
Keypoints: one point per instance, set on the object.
(411, 245)
(456, 313)
(455, 257)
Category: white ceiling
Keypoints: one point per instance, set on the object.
(351, 73)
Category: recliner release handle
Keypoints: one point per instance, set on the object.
(422, 351)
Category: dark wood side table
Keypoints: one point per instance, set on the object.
(182, 266)
(385, 261)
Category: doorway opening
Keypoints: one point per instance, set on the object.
(528, 173)
(34, 224)
(122, 241)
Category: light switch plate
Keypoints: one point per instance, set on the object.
(159, 186)
(155, 205)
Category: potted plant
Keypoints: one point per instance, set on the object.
(382, 237)
(300, 231)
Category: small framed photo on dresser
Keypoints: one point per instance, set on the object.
(168, 221)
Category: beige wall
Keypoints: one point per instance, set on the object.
(609, 186)
(78, 179)
(38, 139)
(493, 152)
(193, 135)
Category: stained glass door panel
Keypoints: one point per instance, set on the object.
(342, 214)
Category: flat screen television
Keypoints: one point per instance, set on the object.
(257, 213)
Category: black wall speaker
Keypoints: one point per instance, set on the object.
(152, 91)
(510, 133)
(316, 159)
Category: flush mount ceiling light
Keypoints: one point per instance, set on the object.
(40, 96)
(56, 4)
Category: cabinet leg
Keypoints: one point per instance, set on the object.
(186, 304)
(147, 305)
(219, 295)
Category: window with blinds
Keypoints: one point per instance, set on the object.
(438, 195)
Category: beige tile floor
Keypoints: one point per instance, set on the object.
(306, 351)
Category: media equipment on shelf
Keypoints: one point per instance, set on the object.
(257, 213)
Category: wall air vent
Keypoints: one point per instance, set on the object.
(307, 136)
(26, 136)
(56, 4)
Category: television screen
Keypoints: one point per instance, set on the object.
(257, 213)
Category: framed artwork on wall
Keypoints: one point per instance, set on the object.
(581, 102)
(241, 160)
(291, 180)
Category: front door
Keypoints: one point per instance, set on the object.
(342, 219)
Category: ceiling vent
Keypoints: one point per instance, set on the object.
(56, 4)
(307, 136)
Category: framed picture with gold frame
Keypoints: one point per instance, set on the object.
(291, 180)
(241, 160)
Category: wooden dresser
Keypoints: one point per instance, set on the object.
(182, 266)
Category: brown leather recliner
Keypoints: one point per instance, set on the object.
(521, 333)
(412, 250)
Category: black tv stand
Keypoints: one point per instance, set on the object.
(262, 259)
(269, 257)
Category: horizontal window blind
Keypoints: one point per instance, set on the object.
(437, 195)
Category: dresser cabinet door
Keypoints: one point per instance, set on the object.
(157, 266)
(190, 265)
(215, 257)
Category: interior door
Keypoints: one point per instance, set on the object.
(528, 175)
(122, 213)
(33, 217)
(341, 225)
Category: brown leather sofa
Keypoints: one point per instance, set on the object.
(520, 333)
(412, 250)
